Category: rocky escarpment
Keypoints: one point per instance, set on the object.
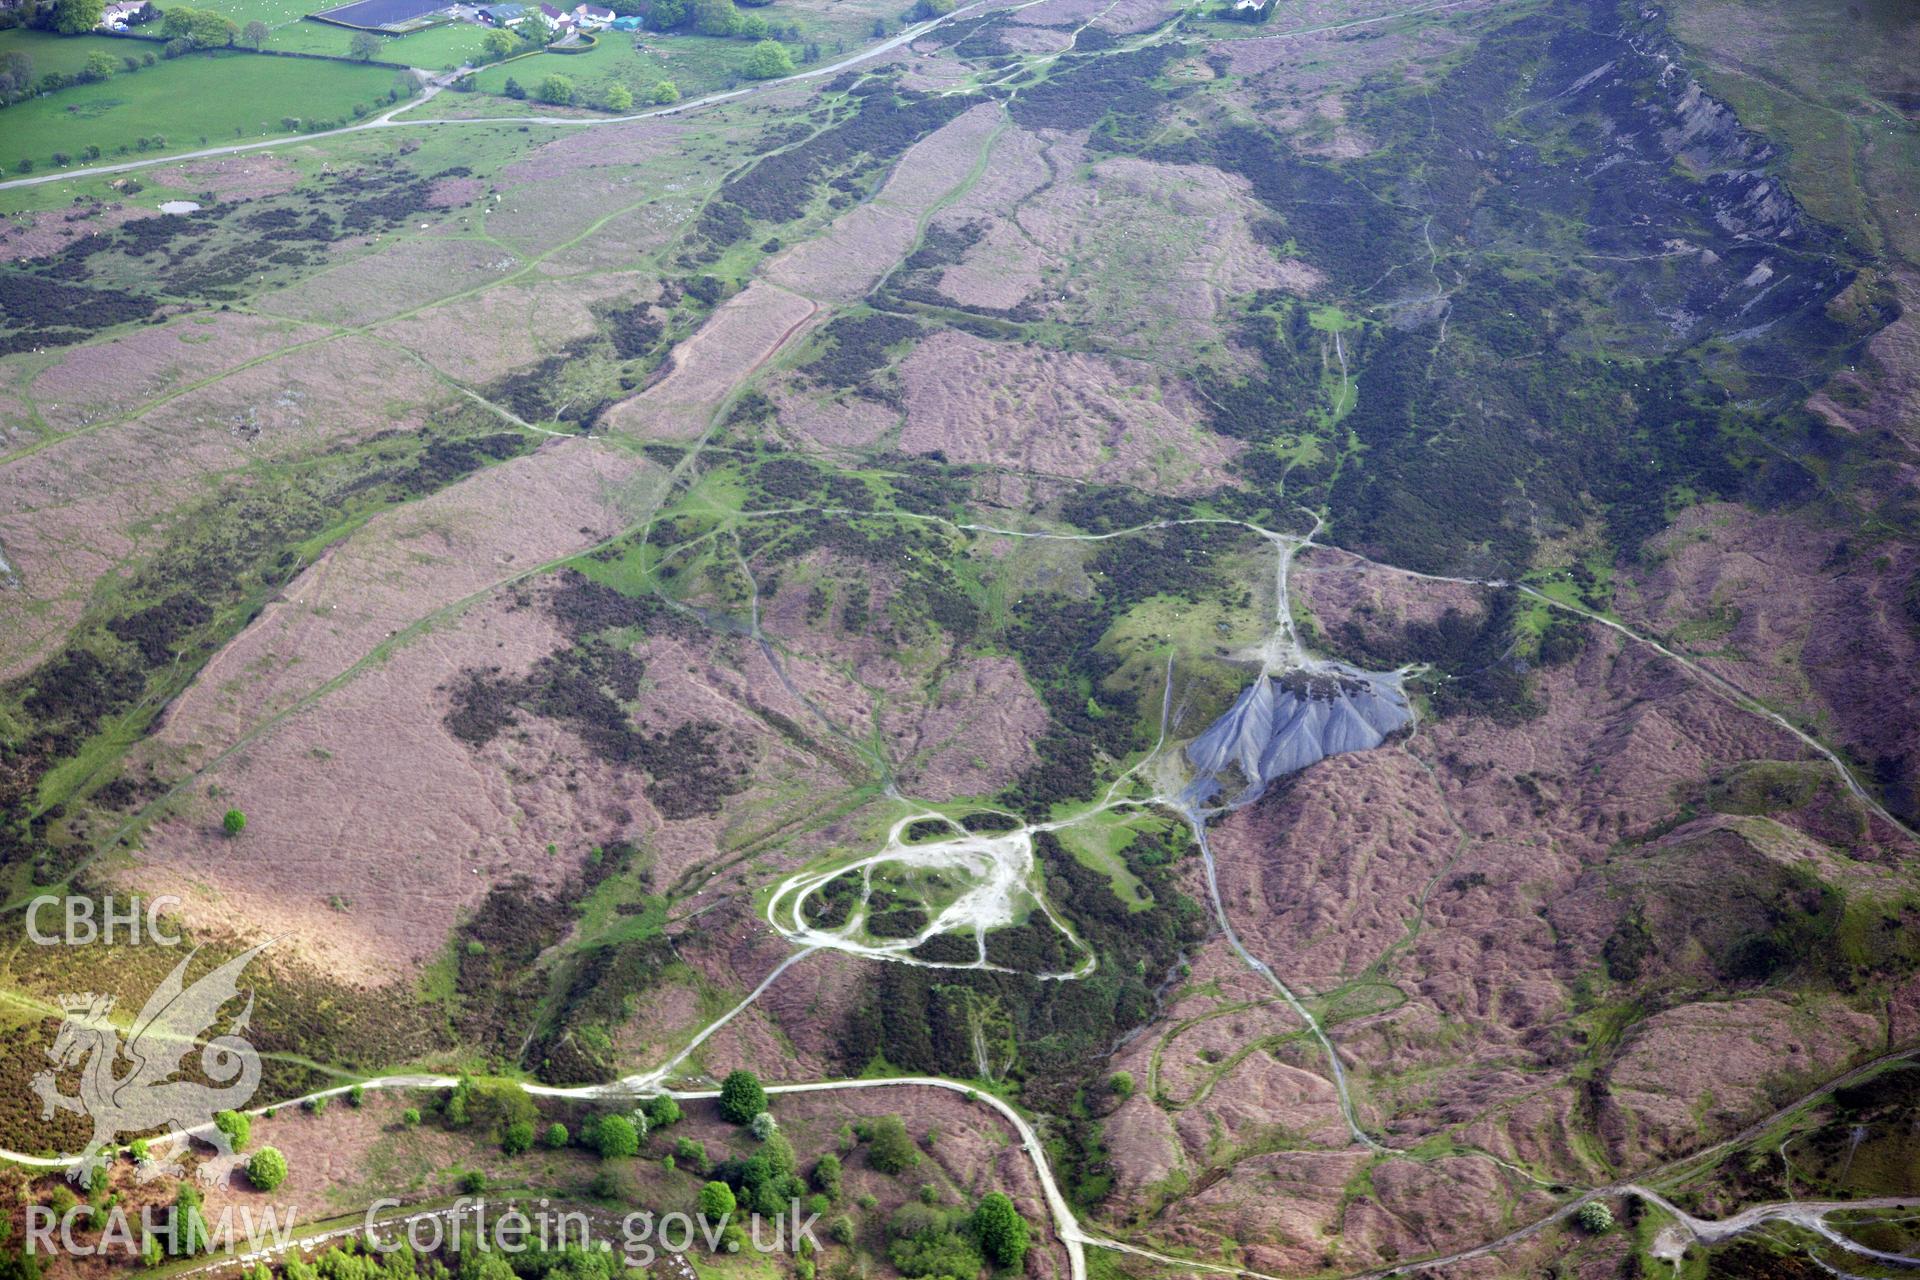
(1677, 197)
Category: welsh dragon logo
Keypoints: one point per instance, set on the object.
(144, 1097)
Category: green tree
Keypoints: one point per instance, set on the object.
(513, 89)
(715, 17)
(16, 76)
(1121, 1082)
(840, 1230)
(1001, 1230)
(410, 1117)
(556, 89)
(212, 31)
(665, 92)
(716, 1201)
(71, 17)
(517, 1137)
(932, 1241)
(663, 1111)
(500, 43)
(615, 1137)
(190, 1235)
(619, 98)
(826, 1175)
(752, 27)
(666, 15)
(768, 61)
(100, 66)
(691, 1152)
(556, 1135)
(889, 1149)
(499, 1103)
(236, 1126)
(357, 1096)
(234, 823)
(1595, 1218)
(267, 1168)
(255, 35)
(364, 45)
(741, 1097)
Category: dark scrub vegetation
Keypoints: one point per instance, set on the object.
(844, 156)
(930, 596)
(915, 283)
(833, 903)
(202, 257)
(948, 948)
(692, 767)
(924, 1020)
(1056, 639)
(1114, 94)
(858, 347)
(296, 1012)
(1554, 397)
(1474, 658)
(603, 982)
(212, 575)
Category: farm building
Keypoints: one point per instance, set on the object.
(122, 14)
(502, 15)
(592, 17)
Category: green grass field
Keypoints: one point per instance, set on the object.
(695, 64)
(194, 101)
(439, 46)
(206, 101)
(444, 45)
(68, 54)
(291, 34)
(449, 44)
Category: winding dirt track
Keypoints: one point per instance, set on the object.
(1806, 1214)
(1810, 1215)
(391, 119)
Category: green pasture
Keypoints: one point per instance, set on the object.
(202, 100)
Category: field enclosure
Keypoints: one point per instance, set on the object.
(200, 100)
